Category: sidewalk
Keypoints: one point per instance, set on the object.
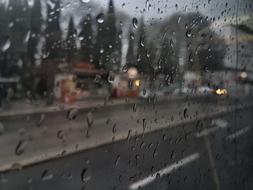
(23, 107)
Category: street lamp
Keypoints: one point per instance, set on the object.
(132, 72)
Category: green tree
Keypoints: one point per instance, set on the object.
(130, 58)
(35, 32)
(70, 42)
(53, 47)
(107, 52)
(86, 39)
(143, 64)
(19, 33)
(4, 38)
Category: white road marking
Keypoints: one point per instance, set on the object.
(164, 171)
(238, 133)
(218, 123)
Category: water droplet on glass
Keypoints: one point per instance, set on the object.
(114, 128)
(134, 107)
(46, 175)
(30, 3)
(176, 5)
(83, 175)
(41, 120)
(135, 22)
(20, 148)
(72, 114)
(179, 19)
(172, 155)
(1, 128)
(60, 134)
(89, 119)
(171, 43)
(101, 51)
(185, 113)
(111, 77)
(117, 160)
(6, 46)
(20, 63)
(85, 1)
(27, 37)
(144, 124)
(100, 18)
(188, 33)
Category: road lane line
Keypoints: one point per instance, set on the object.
(238, 133)
(219, 124)
(164, 171)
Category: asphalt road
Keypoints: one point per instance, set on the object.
(32, 138)
(146, 146)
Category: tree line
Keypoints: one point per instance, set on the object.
(27, 39)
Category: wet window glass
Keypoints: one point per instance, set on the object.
(121, 94)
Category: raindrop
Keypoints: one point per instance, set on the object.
(6, 46)
(111, 77)
(117, 161)
(100, 18)
(46, 175)
(20, 63)
(176, 5)
(172, 155)
(185, 113)
(135, 22)
(188, 33)
(27, 37)
(179, 19)
(41, 120)
(85, 1)
(11, 24)
(101, 50)
(84, 178)
(132, 36)
(1, 128)
(120, 35)
(144, 91)
(129, 135)
(60, 134)
(30, 3)
(144, 124)
(142, 43)
(114, 128)
(89, 119)
(134, 107)
(72, 113)
(20, 148)
(171, 43)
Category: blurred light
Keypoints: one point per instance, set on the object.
(221, 91)
(132, 72)
(243, 75)
(137, 83)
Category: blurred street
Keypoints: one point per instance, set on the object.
(191, 144)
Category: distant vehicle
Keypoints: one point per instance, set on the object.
(184, 90)
(205, 90)
(221, 92)
(125, 87)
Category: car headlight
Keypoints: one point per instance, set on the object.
(221, 91)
